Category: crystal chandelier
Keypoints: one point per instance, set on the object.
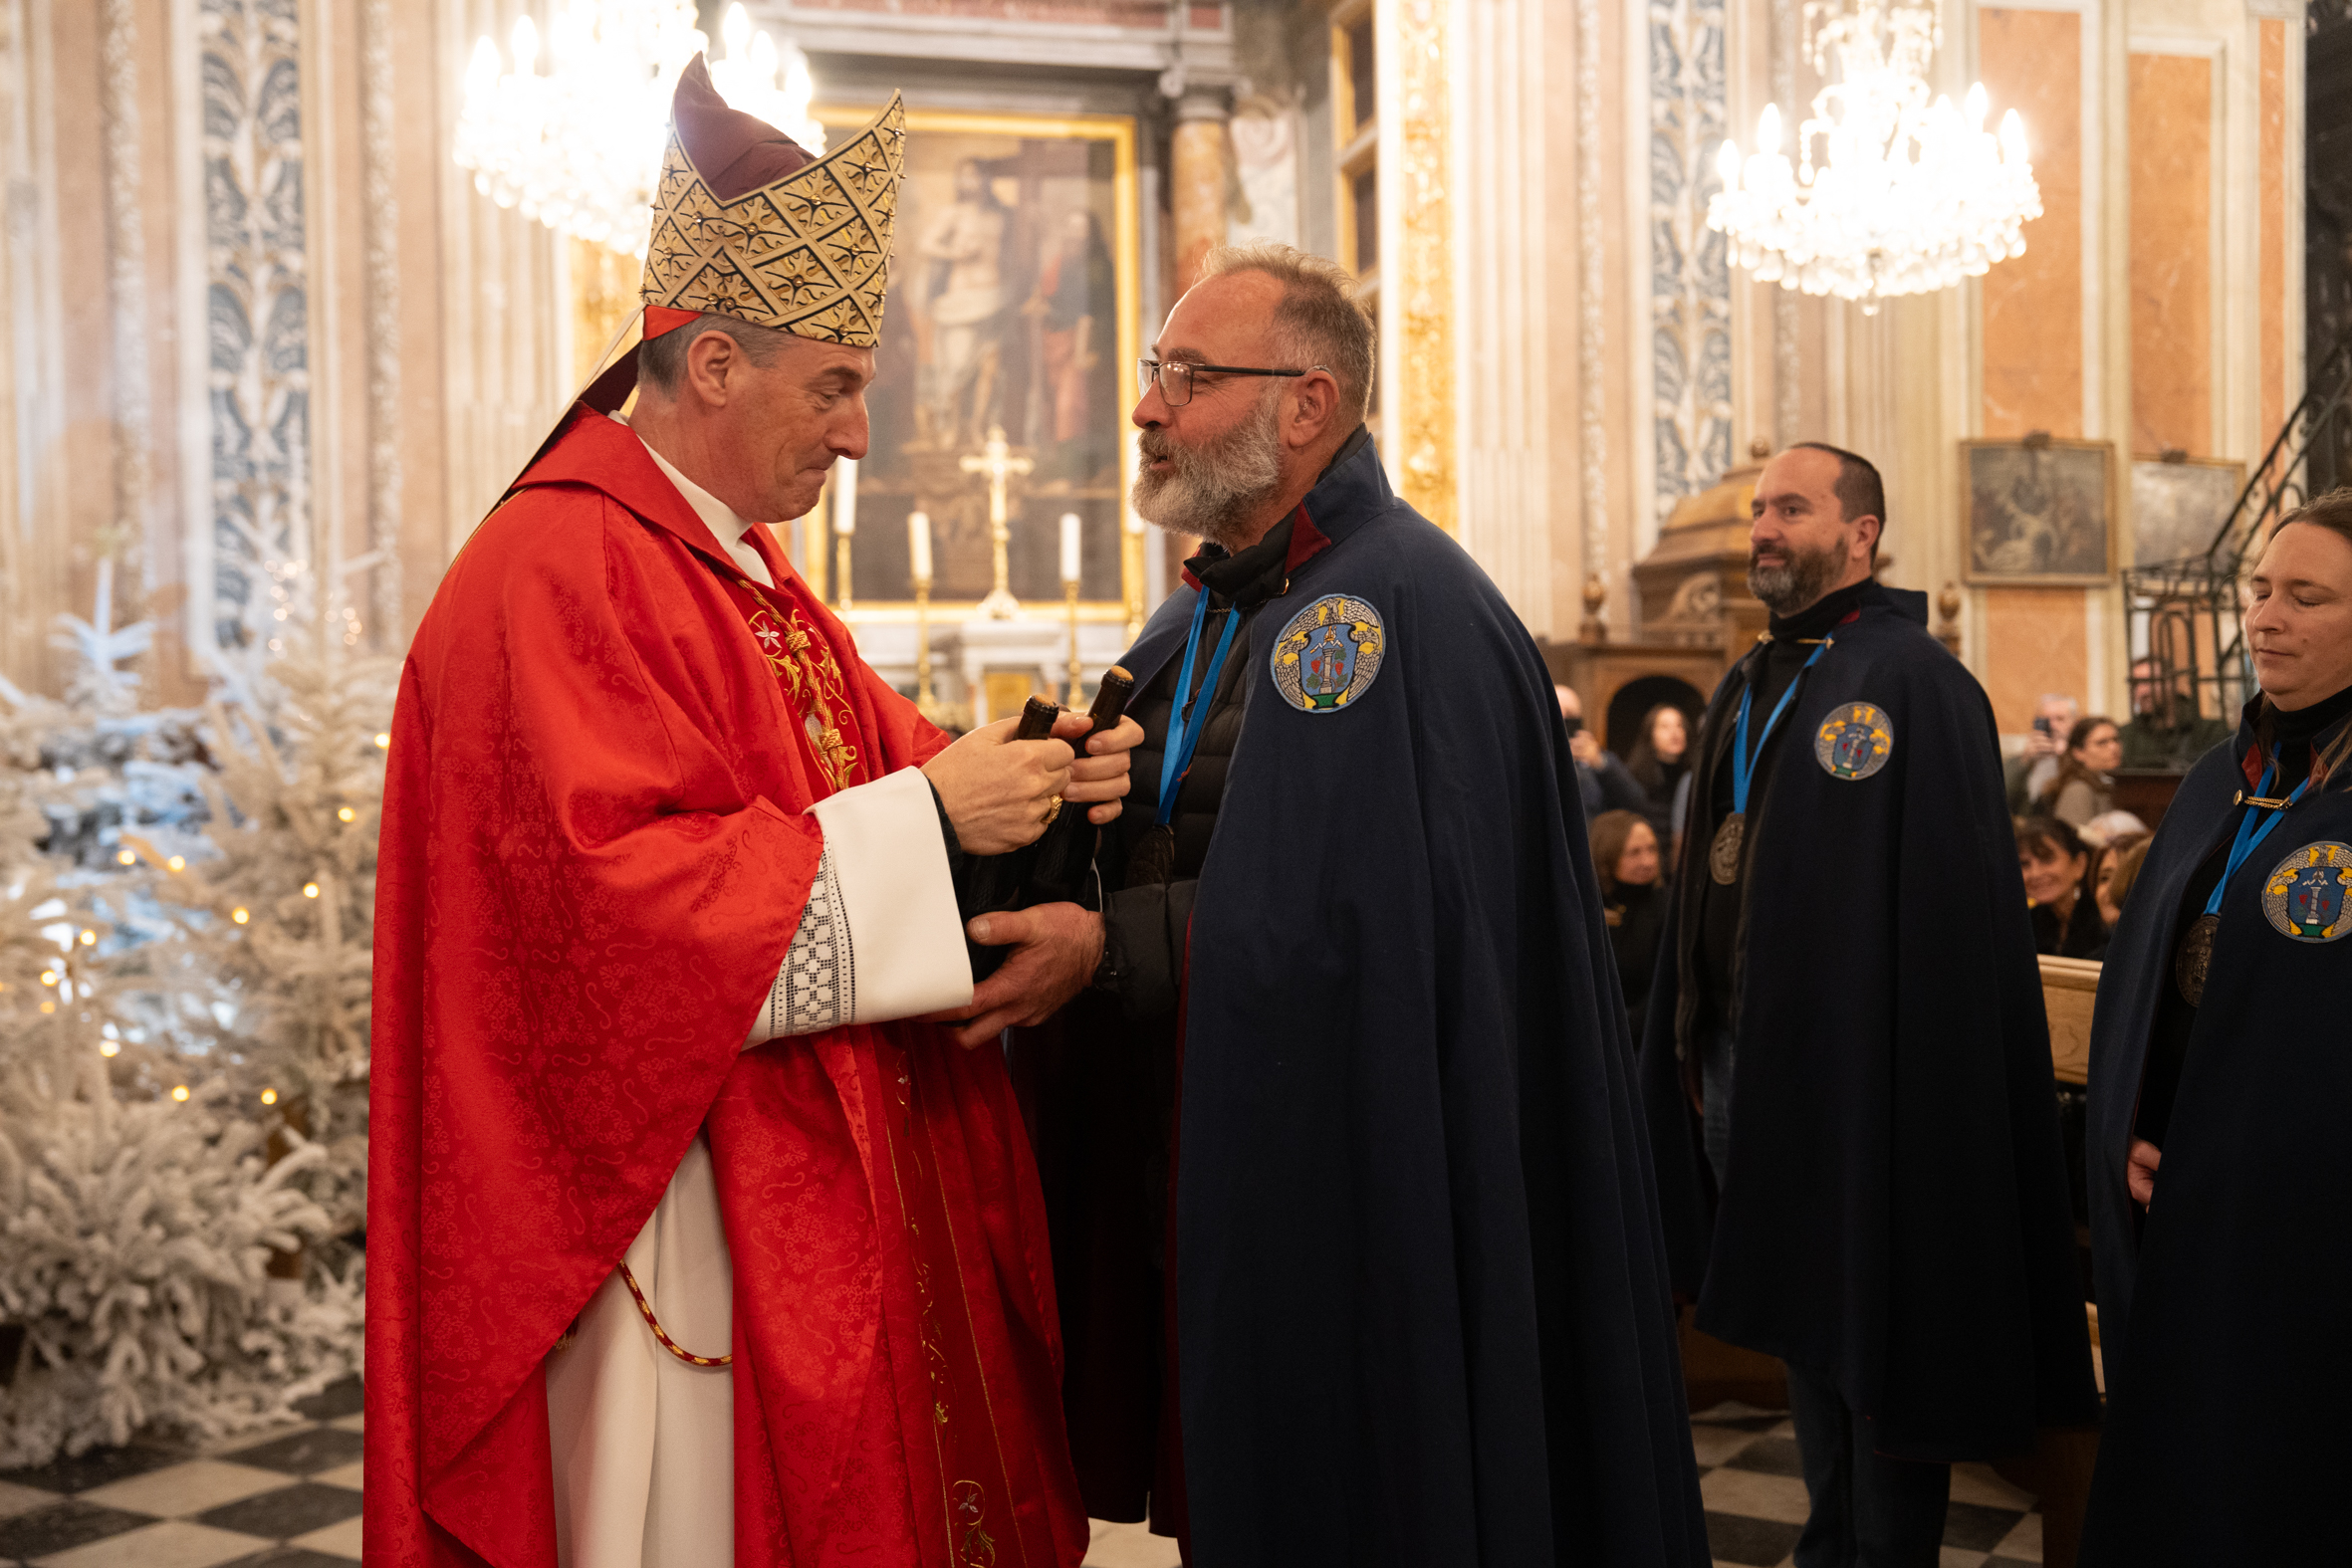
(579, 147)
(1906, 198)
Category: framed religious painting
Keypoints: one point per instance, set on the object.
(2180, 505)
(2038, 511)
(1003, 378)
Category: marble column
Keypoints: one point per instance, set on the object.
(1199, 158)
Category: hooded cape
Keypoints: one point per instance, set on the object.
(1423, 1318)
(1896, 1210)
(2222, 1313)
(595, 855)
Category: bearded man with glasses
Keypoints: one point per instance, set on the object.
(1354, 1245)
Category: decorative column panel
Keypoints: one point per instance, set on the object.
(1417, 274)
(1199, 158)
(1502, 346)
(249, 513)
(2172, 243)
(2271, 270)
(1787, 358)
(127, 289)
(502, 327)
(384, 629)
(19, 635)
(2039, 329)
(1592, 431)
(1690, 315)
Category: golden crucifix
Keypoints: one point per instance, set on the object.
(996, 460)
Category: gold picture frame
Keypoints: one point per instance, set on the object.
(969, 346)
(2039, 512)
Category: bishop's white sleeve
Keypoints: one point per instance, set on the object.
(881, 938)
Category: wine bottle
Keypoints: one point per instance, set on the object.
(1066, 855)
(995, 881)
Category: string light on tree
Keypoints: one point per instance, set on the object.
(1904, 197)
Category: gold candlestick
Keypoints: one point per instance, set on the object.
(925, 699)
(1070, 592)
(841, 571)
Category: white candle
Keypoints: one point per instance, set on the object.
(1070, 546)
(845, 497)
(918, 543)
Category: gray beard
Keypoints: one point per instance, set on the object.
(1211, 491)
(1787, 588)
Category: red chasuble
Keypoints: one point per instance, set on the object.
(595, 855)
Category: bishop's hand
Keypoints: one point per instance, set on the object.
(998, 791)
(1056, 950)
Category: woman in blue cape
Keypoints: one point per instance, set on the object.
(2218, 1081)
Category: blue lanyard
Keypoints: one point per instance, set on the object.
(1184, 730)
(1742, 760)
(2249, 836)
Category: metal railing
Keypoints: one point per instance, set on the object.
(2184, 614)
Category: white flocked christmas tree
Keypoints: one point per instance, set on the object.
(184, 939)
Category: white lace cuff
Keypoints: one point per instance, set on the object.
(881, 938)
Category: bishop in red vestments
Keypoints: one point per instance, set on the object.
(689, 1246)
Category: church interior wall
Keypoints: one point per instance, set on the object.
(1542, 247)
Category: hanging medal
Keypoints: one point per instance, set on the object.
(1723, 855)
(1154, 857)
(2196, 954)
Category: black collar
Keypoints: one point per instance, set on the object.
(2306, 724)
(1249, 578)
(1820, 617)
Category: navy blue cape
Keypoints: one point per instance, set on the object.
(1895, 1212)
(1423, 1309)
(2223, 1315)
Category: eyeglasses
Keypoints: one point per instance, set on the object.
(1175, 379)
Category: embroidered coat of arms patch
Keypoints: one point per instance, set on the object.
(2304, 894)
(1329, 654)
(1854, 740)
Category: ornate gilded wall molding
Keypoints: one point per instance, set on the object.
(257, 536)
(383, 322)
(1690, 279)
(126, 287)
(1424, 273)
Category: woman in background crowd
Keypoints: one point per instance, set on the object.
(1626, 853)
(2085, 783)
(1659, 759)
(2118, 867)
(2056, 868)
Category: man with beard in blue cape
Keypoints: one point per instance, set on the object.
(1353, 1002)
(1845, 1059)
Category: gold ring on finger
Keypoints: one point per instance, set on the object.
(1053, 810)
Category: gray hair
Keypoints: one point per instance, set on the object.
(1319, 321)
(661, 363)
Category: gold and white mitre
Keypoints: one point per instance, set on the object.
(809, 253)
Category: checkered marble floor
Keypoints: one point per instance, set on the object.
(1754, 1493)
(288, 1498)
